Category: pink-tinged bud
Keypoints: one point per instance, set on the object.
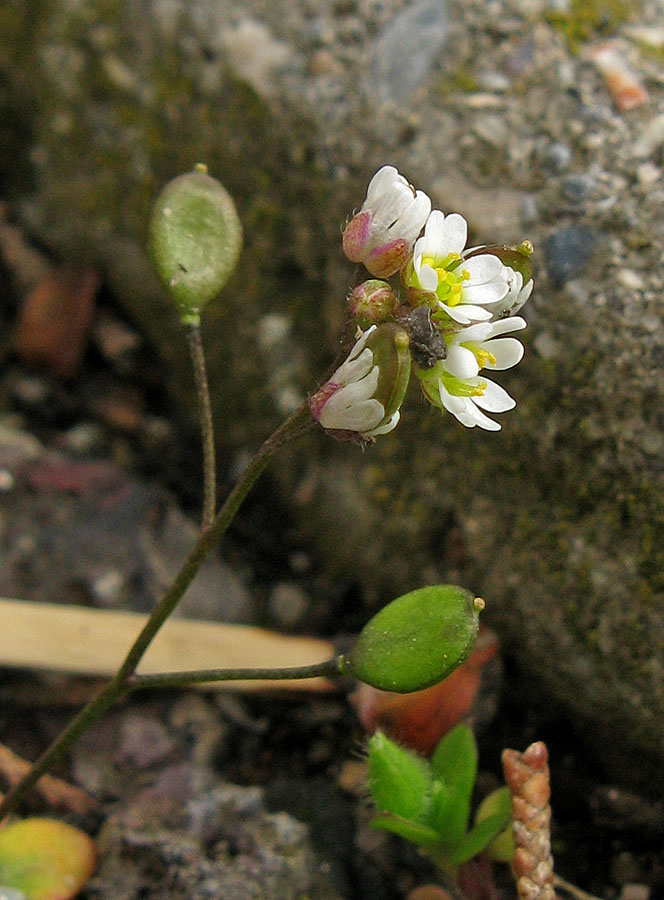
(362, 399)
(382, 234)
(372, 302)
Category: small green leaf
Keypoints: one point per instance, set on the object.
(400, 781)
(416, 640)
(45, 859)
(194, 241)
(418, 834)
(476, 839)
(501, 848)
(454, 763)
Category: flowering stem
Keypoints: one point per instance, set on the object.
(327, 669)
(193, 332)
(120, 684)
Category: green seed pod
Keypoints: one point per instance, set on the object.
(416, 640)
(194, 241)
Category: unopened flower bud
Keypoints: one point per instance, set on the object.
(382, 234)
(372, 302)
(362, 399)
(195, 240)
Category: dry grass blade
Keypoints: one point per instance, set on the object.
(55, 791)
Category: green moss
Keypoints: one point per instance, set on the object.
(461, 80)
(589, 19)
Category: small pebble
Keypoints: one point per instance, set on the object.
(650, 139)
(578, 187)
(567, 251)
(288, 604)
(557, 157)
(630, 279)
(635, 892)
(648, 173)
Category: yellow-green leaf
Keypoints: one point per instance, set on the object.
(45, 859)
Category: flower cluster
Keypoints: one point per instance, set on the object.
(455, 307)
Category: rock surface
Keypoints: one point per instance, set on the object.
(497, 111)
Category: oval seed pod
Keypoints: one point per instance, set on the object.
(416, 640)
(194, 241)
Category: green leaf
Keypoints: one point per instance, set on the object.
(477, 839)
(400, 781)
(416, 640)
(45, 859)
(416, 833)
(501, 848)
(454, 763)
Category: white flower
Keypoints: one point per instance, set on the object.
(516, 296)
(382, 234)
(463, 287)
(362, 398)
(479, 346)
(455, 383)
(468, 410)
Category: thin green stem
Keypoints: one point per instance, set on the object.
(327, 669)
(292, 428)
(193, 332)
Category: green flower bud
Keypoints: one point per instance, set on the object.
(194, 241)
(416, 640)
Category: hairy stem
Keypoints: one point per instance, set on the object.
(193, 332)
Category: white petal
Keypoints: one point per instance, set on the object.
(453, 234)
(381, 182)
(354, 368)
(494, 399)
(428, 278)
(413, 217)
(383, 429)
(461, 362)
(485, 422)
(433, 230)
(507, 352)
(482, 331)
(489, 292)
(502, 326)
(361, 416)
(484, 268)
(464, 313)
(461, 407)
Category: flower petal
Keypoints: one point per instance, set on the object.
(489, 292)
(484, 268)
(506, 351)
(502, 326)
(495, 399)
(453, 234)
(428, 278)
(383, 429)
(465, 314)
(461, 362)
